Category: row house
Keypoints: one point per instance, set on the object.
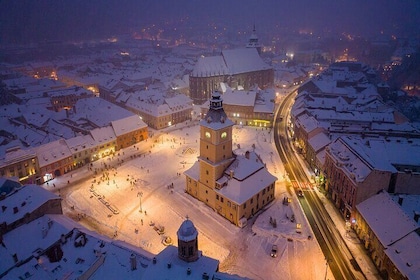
(22, 164)
(43, 163)
(352, 177)
(129, 131)
(162, 113)
(390, 236)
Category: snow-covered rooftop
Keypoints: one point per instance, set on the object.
(386, 219)
(230, 62)
(246, 176)
(25, 200)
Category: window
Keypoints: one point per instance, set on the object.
(208, 134)
(207, 172)
(221, 199)
(245, 205)
(217, 197)
(252, 200)
(224, 134)
(228, 203)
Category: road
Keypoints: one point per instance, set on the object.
(337, 255)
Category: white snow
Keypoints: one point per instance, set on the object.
(140, 178)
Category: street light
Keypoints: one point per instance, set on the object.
(139, 195)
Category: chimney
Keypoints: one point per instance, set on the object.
(400, 199)
(15, 258)
(247, 154)
(133, 262)
(44, 232)
(63, 239)
(231, 173)
(416, 216)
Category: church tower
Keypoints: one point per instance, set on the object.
(253, 41)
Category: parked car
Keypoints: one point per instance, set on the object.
(300, 193)
(273, 253)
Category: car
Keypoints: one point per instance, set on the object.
(300, 193)
(273, 252)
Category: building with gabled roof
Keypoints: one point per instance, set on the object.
(158, 111)
(239, 68)
(357, 169)
(54, 159)
(129, 131)
(390, 235)
(254, 107)
(24, 204)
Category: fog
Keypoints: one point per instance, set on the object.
(25, 22)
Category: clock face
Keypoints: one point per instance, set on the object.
(224, 135)
(208, 134)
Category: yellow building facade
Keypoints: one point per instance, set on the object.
(218, 178)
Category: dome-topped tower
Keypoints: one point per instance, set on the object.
(187, 241)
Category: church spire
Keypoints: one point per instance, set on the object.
(253, 41)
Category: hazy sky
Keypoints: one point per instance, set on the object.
(25, 21)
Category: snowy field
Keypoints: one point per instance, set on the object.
(138, 196)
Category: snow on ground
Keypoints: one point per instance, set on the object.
(145, 184)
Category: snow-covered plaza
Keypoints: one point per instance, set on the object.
(138, 196)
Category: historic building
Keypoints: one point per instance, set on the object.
(236, 186)
(161, 112)
(390, 236)
(254, 107)
(239, 68)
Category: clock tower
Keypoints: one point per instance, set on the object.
(215, 149)
(235, 186)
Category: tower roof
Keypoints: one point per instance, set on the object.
(187, 231)
(216, 117)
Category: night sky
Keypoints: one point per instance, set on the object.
(34, 21)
